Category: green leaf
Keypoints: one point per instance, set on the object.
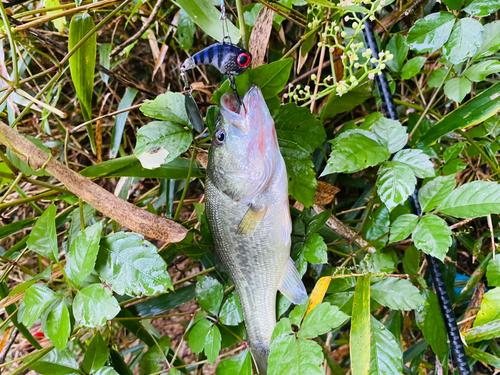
(298, 312)
(453, 151)
(413, 67)
(431, 32)
(36, 299)
(482, 8)
(56, 363)
(402, 227)
(59, 23)
(360, 327)
(322, 319)
(464, 41)
(474, 112)
(418, 161)
(385, 352)
(197, 335)
(491, 40)
(209, 294)
(473, 199)
(160, 142)
(490, 308)
(430, 321)
(397, 294)
(212, 344)
(353, 153)
(120, 120)
(240, 364)
(131, 265)
(22, 166)
(96, 354)
(493, 272)
(185, 30)
(206, 16)
(457, 88)
(106, 371)
(270, 78)
(94, 305)
(435, 191)
(104, 52)
(82, 255)
(380, 262)
(293, 356)
(376, 226)
(82, 65)
(130, 166)
(315, 249)
(483, 356)
(152, 361)
(231, 314)
(299, 134)
(168, 106)
(390, 134)
(43, 236)
(395, 182)
(483, 332)
(340, 104)
(56, 324)
(437, 77)
(411, 261)
(432, 236)
(398, 47)
(479, 71)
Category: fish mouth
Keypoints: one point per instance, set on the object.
(251, 106)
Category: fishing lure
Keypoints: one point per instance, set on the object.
(228, 58)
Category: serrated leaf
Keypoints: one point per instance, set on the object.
(402, 227)
(209, 294)
(490, 308)
(197, 335)
(82, 255)
(457, 88)
(491, 40)
(473, 199)
(418, 161)
(354, 153)
(106, 371)
(395, 182)
(435, 191)
(397, 294)
(96, 354)
(152, 361)
(390, 133)
(380, 262)
(94, 305)
(493, 272)
(168, 106)
(43, 236)
(299, 134)
(482, 8)
(230, 313)
(376, 226)
(56, 324)
(430, 321)
(56, 363)
(131, 265)
(360, 327)
(160, 142)
(36, 299)
(213, 344)
(479, 71)
(431, 32)
(413, 67)
(386, 356)
(433, 236)
(465, 38)
(315, 249)
(240, 364)
(322, 319)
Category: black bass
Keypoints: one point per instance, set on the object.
(226, 57)
(248, 215)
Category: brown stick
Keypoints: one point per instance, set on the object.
(128, 215)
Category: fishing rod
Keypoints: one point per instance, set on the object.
(456, 345)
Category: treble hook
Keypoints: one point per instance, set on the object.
(232, 84)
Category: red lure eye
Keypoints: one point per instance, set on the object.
(243, 60)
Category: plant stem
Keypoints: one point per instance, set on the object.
(191, 165)
(12, 186)
(241, 21)
(13, 49)
(28, 199)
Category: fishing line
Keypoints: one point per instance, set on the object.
(456, 344)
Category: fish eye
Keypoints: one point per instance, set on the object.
(243, 59)
(220, 136)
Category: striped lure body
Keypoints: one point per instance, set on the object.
(226, 57)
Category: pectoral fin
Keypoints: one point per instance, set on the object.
(292, 286)
(250, 221)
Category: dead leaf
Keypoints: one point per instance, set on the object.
(260, 36)
(325, 193)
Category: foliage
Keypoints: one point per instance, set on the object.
(86, 295)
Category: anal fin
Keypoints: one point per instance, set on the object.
(292, 286)
(250, 221)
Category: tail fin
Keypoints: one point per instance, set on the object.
(260, 353)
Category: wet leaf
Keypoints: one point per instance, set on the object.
(397, 294)
(398, 47)
(435, 191)
(491, 40)
(43, 236)
(490, 308)
(240, 364)
(457, 88)
(433, 236)
(152, 361)
(481, 8)
(413, 67)
(94, 305)
(483, 332)
(209, 294)
(315, 249)
(197, 335)
(431, 32)
(390, 134)
(230, 313)
(465, 38)
(322, 319)
(56, 363)
(36, 299)
(479, 71)
(386, 356)
(131, 265)
(56, 324)
(96, 354)
(402, 227)
(417, 160)
(453, 151)
(168, 106)
(213, 344)
(395, 182)
(106, 371)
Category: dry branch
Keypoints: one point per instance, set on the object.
(128, 215)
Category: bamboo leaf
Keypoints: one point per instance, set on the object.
(360, 327)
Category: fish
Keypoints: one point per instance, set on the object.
(248, 214)
(228, 58)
